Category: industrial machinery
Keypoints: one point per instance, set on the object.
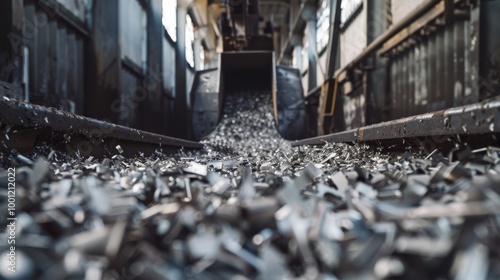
(248, 63)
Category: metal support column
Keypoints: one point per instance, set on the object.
(154, 81)
(199, 35)
(375, 87)
(182, 112)
(104, 69)
(332, 119)
(310, 15)
(489, 49)
(334, 40)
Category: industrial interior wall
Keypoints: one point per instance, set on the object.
(55, 43)
(401, 8)
(437, 71)
(168, 74)
(353, 36)
(321, 67)
(132, 28)
(353, 39)
(189, 80)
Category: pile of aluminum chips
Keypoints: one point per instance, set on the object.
(249, 206)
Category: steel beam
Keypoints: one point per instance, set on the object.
(310, 16)
(104, 68)
(154, 81)
(479, 118)
(334, 40)
(489, 44)
(199, 35)
(376, 87)
(182, 109)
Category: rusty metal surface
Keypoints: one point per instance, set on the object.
(26, 115)
(479, 118)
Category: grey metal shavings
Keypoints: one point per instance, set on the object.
(248, 206)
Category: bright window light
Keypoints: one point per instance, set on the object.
(189, 41)
(323, 25)
(169, 20)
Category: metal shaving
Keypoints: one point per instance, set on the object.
(248, 206)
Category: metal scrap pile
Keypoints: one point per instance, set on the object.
(251, 207)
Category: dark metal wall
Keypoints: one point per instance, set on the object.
(111, 60)
(55, 38)
(448, 56)
(436, 70)
(11, 42)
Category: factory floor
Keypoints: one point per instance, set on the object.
(250, 206)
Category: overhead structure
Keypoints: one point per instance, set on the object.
(248, 63)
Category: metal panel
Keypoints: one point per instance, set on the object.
(62, 59)
(132, 18)
(11, 41)
(206, 98)
(29, 12)
(56, 59)
(40, 75)
(80, 75)
(53, 78)
(71, 72)
(153, 80)
(131, 98)
(354, 109)
(489, 41)
(190, 73)
(76, 7)
(435, 69)
(167, 66)
(290, 111)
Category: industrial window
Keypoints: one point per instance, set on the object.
(169, 20)
(323, 25)
(133, 35)
(189, 41)
(348, 8)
